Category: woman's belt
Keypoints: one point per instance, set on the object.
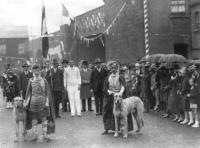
(116, 91)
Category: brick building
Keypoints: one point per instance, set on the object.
(14, 45)
(173, 28)
(14, 41)
(195, 29)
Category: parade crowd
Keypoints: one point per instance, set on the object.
(172, 91)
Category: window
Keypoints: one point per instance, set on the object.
(21, 49)
(178, 6)
(197, 20)
(2, 49)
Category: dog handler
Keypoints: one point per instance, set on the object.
(39, 105)
(113, 84)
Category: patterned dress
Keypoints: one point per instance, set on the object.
(37, 108)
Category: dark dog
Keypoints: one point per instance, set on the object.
(122, 107)
(20, 115)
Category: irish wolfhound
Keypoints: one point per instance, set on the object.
(122, 107)
(20, 115)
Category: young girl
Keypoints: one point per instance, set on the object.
(193, 96)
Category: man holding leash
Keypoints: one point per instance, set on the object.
(24, 77)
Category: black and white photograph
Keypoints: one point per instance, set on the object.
(100, 73)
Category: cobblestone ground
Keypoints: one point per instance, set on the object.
(85, 132)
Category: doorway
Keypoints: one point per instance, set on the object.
(95, 49)
(181, 49)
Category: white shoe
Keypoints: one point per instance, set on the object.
(190, 122)
(184, 121)
(11, 105)
(155, 108)
(7, 105)
(175, 119)
(180, 119)
(196, 125)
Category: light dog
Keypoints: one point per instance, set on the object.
(122, 107)
(20, 115)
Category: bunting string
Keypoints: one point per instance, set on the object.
(8, 57)
(105, 32)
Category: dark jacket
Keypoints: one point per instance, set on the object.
(194, 94)
(145, 85)
(97, 79)
(12, 86)
(23, 80)
(185, 87)
(55, 79)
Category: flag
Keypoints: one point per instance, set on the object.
(44, 33)
(65, 11)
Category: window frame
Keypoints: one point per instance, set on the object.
(178, 4)
(196, 20)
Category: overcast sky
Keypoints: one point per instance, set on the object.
(28, 12)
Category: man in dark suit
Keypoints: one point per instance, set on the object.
(85, 91)
(55, 78)
(97, 81)
(24, 77)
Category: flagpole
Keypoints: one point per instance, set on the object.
(43, 58)
(61, 13)
(44, 33)
(41, 29)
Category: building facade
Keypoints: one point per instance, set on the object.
(14, 46)
(14, 41)
(173, 27)
(195, 29)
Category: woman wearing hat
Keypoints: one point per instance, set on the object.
(39, 104)
(113, 84)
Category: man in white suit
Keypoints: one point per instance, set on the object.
(72, 82)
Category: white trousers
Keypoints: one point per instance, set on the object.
(74, 100)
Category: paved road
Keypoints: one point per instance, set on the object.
(85, 132)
